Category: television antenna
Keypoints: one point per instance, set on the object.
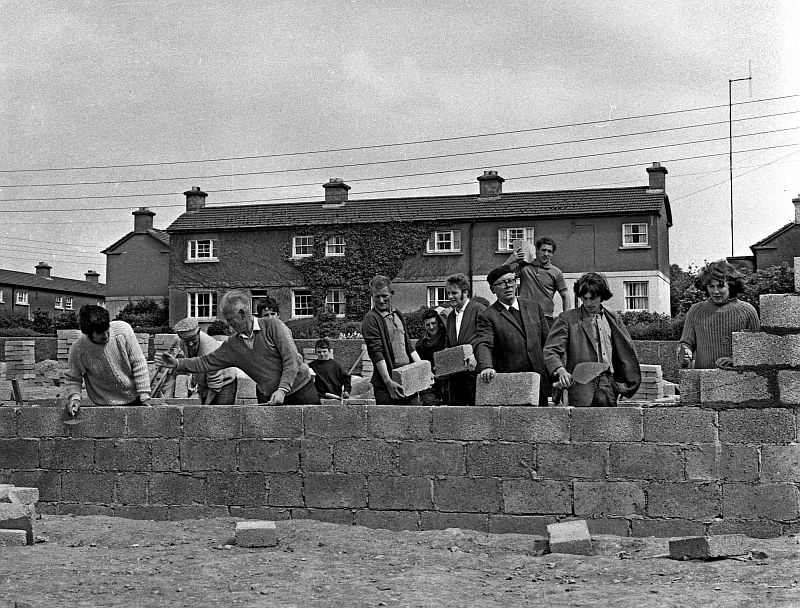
(730, 132)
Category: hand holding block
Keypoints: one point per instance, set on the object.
(414, 377)
(509, 389)
(451, 360)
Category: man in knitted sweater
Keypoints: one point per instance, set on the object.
(708, 331)
(262, 348)
(108, 360)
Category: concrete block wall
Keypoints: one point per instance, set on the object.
(664, 471)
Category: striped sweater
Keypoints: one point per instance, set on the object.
(115, 373)
(709, 328)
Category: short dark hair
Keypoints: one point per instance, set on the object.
(93, 319)
(546, 240)
(432, 313)
(459, 280)
(267, 303)
(323, 343)
(379, 282)
(723, 272)
(594, 284)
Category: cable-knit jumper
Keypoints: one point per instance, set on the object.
(709, 328)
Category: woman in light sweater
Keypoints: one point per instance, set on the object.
(708, 332)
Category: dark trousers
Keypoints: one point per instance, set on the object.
(382, 397)
(462, 389)
(226, 395)
(305, 395)
(600, 392)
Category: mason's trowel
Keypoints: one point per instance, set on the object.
(582, 374)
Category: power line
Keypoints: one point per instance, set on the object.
(398, 160)
(38, 251)
(51, 259)
(394, 144)
(17, 238)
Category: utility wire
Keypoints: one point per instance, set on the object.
(402, 143)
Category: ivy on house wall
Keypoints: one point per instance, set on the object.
(370, 249)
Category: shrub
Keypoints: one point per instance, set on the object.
(774, 279)
(218, 328)
(144, 313)
(42, 322)
(304, 328)
(66, 320)
(13, 318)
(645, 325)
(481, 299)
(18, 332)
(413, 322)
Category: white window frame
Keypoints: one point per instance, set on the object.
(202, 250)
(194, 306)
(334, 246)
(58, 304)
(633, 297)
(302, 293)
(629, 236)
(437, 296)
(69, 303)
(444, 241)
(22, 298)
(505, 239)
(296, 243)
(334, 298)
(2, 296)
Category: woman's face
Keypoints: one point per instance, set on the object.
(718, 291)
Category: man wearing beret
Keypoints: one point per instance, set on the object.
(511, 333)
(213, 387)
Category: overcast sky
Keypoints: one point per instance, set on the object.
(92, 84)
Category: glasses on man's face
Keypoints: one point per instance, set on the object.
(506, 283)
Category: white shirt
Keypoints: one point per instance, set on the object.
(513, 304)
(250, 340)
(460, 316)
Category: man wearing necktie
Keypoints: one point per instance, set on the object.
(591, 333)
(511, 333)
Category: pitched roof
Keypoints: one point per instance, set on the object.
(37, 281)
(159, 235)
(763, 242)
(543, 204)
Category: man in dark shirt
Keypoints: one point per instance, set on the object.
(331, 381)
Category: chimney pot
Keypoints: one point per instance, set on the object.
(92, 277)
(491, 185)
(142, 219)
(195, 199)
(335, 192)
(657, 175)
(796, 201)
(43, 269)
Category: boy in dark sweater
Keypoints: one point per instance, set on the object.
(331, 381)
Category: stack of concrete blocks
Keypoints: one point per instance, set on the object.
(350, 401)
(366, 366)
(652, 386)
(414, 377)
(17, 515)
(521, 388)
(66, 338)
(162, 343)
(20, 359)
(451, 360)
(309, 354)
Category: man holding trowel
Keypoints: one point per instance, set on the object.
(213, 387)
(591, 334)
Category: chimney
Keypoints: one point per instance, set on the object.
(43, 269)
(491, 185)
(796, 201)
(657, 175)
(195, 199)
(92, 276)
(335, 192)
(142, 219)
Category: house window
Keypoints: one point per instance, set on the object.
(444, 241)
(22, 298)
(302, 246)
(59, 303)
(2, 296)
(634, 235)
(202, 304)
(101, 304)
(437, 296)
(68, 303)
(334, 246)
(334, 299)
(301, 303)
(636, 296)
(507, 236)
(202, 251)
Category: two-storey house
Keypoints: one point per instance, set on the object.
(27, 292)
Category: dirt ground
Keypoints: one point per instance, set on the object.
(104, 561)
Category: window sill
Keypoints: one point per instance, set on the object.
(302, 316)
(333, 255)
(202, 261)
(437, 253)
(634, 247)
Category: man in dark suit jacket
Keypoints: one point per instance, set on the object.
(511, 333)
(462, 325)
(593, 334)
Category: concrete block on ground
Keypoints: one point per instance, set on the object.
(18, 517)
(726, 386)
(780, 310)
(24, 496)
(509, 389)
(570, 537)
(451, 360)
(414, 377)
(13, 538)
(709, 547)
(256, 533)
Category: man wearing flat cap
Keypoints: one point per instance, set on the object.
(213, 387)
(511, 333)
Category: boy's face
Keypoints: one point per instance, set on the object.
(592, 303)
(719, 291)
(323, 354)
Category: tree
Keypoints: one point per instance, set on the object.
(144, 313)
(774, 279)
(680, 281)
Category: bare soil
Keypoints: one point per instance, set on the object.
(104, 561)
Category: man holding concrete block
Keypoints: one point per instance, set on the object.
(511, 333)
(462, 327)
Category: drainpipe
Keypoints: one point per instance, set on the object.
(469, 259)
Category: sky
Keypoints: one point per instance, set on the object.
(552, 95)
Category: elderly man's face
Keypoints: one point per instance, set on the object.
(382, 298)
(239, 320)
(505, 288)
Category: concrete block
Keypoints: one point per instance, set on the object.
(414, 377)
(534, 425)
(399, 422)
(709, 547)
(665, 528)
(272, 422)
(780, 310)
(364, 456)
(772, 501)
(451, 360)
(689, 385)
(400, 493)
(568, 461)
(500, 459)
(246, 489)
(757, 349)
(465, 494)
(670, 389)
(267, 456)
(754, 426)
(347, 401)
(245, 388)
(570, 537)
(606, 424)
(509, 389)
(335, 421)
(182, 386)
(679, 425)
(688, 500)
(466, 423)
(18, 517)
(780, 463)
(789, 387)
(24, 496)
(430, 458)
(256, 534)
(13, 538)
(529, 496)
(645, 461)
(202, 455)
(4, 488)
(732, 387)
(331, 491)
(534, 525)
